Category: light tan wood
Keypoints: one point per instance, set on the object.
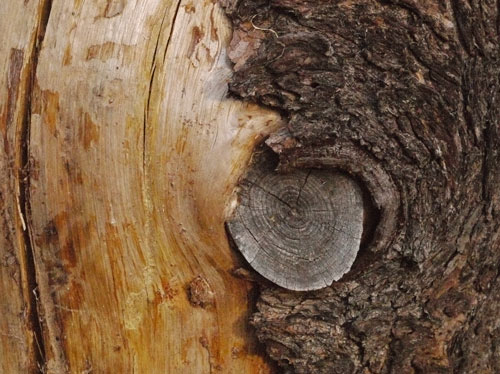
(135, 152)
(18, 32)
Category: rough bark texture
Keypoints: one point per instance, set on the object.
(405, 96)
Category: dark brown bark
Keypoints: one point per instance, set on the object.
(403, 95)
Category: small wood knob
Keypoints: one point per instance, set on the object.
(300, 230)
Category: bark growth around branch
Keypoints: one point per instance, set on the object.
(405, 96)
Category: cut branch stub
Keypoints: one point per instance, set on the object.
(300, 230)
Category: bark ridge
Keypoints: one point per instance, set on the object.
(404, 95)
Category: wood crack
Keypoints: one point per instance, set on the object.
(302, 187)
(271, 194)
(290, 242)
(24, 176)
(151, 81)
(172, 29)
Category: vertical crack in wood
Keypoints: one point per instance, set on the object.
(302, 187)
(174, 19)
(146, 193)
(151, 81)
(23, 179)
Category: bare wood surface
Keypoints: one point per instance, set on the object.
(20, 348)
(134, 151)
(302, 229)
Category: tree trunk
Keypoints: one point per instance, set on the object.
(405, 96)
(121, 152)
(121, 109)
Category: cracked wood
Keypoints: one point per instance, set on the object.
(21, 341)
(127, 119)
(301, 230)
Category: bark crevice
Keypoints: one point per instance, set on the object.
(408, 104)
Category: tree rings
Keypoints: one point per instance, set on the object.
(301, 230)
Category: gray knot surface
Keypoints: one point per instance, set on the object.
(300, 230)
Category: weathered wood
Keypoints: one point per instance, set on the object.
(405, 95)
(301, 230)
(20, 347)
(134, 150)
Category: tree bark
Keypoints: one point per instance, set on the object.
(121, 151)
(405, 96)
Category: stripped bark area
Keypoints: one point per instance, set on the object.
(405, 96)
(120, 150)
(21, 341)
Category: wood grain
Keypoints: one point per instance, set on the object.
(301, 230)
(20, 345)
(134, 151)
